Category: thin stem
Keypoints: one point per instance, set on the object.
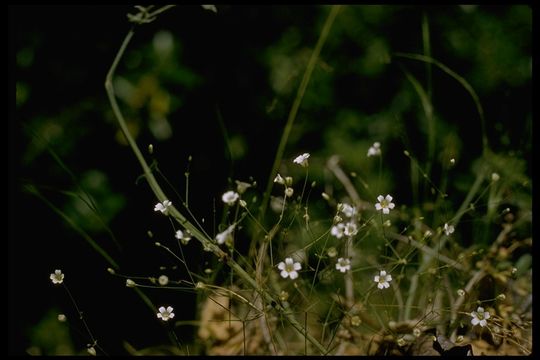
(296, 104)
(204, 240)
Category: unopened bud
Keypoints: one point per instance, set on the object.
(130, 283)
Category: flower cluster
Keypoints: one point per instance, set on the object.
(348, 228)
(375, 149)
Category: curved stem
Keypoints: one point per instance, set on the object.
(203, 239)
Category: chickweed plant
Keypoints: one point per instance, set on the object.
(339, 263)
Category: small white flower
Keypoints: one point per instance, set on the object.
(495, 177)
(289, 268)
(91, 350)
(385, 204)
(289, 192)
(350, 229)
(57, 277)
(163, 206)
(374, 150)
(184, 237)
(163, 280)
(383, 280)
(343, 265)
(62, 318)
(165, 314)
(348, 210)
(279, 179)
(479, 317)
(448, 229)
(230, 197)
(302, 159)
(241, 186)
(224, 235)
(337, 230)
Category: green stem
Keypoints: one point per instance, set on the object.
(296, 105)
(204, 240)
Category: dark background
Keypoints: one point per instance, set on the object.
(222, 66)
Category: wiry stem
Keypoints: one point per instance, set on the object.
(204, 240)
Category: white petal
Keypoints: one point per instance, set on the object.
(480, 309)
(293, 275)
(380, 286)
(389, 198)
(383, 273)
(475, 321)
(388, 277)
(297, 266)
(284, 274)
(171, 315)
(391, 205)
(386, 285)
(386, 211)
(161, 309)
(289, 261)
(159, 316)
(281, 266)
(170, 309)
(376, 278)
(380, 198)
(378, 206)
(486, 315)
(483, 323)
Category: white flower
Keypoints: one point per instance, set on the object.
(57, 277)
(348, 210)
(343, 265)
(241, 186)
(165, 314)
(62, 318)
(374, 150)
(448, 229)
(480, 317)
(302, 159)
(337, 230)
(230, 197)
(385, 204)
(163, 206)
(223, 236)
(279, 179)
(289, 192)
(495, 177)
(163, 280)
(383, 280)
(289, 268)
(183, 237)
(350, 229)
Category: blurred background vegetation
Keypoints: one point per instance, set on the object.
(194, 78)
